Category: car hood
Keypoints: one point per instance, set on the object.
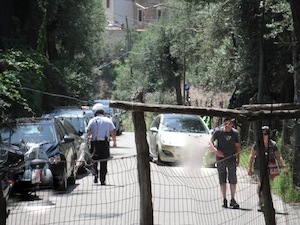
(50, 149)
(183, 139)
(10, 155)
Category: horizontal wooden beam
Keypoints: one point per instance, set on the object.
(265, 112)
(277, 106)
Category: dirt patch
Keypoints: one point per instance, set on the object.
(209, 98)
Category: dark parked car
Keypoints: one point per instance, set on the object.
(58, 144)
(11, 162)
(113, 113)
(79, 122)
(73, 111)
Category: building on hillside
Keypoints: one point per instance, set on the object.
(139, 13)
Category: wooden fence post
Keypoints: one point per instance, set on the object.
(143, 158)
(143, 166)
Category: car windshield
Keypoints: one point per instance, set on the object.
(78, 123)
(107, 110)
(34, 133)
(184, 124)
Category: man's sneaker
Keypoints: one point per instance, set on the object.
(225, 203)
(233, 204)
(96, 179)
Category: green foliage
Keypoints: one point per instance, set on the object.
(77, 48)
(244, 156)
(23, 74)
(204, 41)
(8, 89)
(283, 186)
(124, 82)
(69, 34)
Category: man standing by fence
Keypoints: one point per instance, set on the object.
(225, 142)
(101, 128)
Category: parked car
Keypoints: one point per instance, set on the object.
(84, 111)
(113, 113)
(78, 122)
(11, 163)
(57, 143)
(74, 133)
(171, 136)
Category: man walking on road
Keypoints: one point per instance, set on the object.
(100, 128)
(225, 142)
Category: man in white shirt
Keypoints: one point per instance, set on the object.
(100, 128)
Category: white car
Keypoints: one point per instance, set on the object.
(173, 137)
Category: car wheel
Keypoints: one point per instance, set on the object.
(158, 161)
(62, 184)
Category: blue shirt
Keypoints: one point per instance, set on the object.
(100, 126)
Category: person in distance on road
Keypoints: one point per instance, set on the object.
(225, 142)
(273, 157)
(100, 128)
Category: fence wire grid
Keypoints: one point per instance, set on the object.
(181, 195)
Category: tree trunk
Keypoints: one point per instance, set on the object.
(295, 7)
(178, 90)
(51, 43)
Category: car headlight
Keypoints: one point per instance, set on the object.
(165, 141)
(54, 159)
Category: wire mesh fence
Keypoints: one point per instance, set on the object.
(180, 195)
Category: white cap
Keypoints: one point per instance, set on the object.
(98, 107)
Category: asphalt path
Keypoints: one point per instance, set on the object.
(182, 194)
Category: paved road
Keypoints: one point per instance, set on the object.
(182, 194)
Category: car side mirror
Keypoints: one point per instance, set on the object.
(154, 129)
(68, 139)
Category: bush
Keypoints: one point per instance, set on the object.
(283, 186)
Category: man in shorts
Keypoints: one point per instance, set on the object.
(225, 142)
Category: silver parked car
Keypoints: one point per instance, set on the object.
(174, 136)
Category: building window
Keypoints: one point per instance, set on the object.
(107, 3)
(140, 15)
(158, 14)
